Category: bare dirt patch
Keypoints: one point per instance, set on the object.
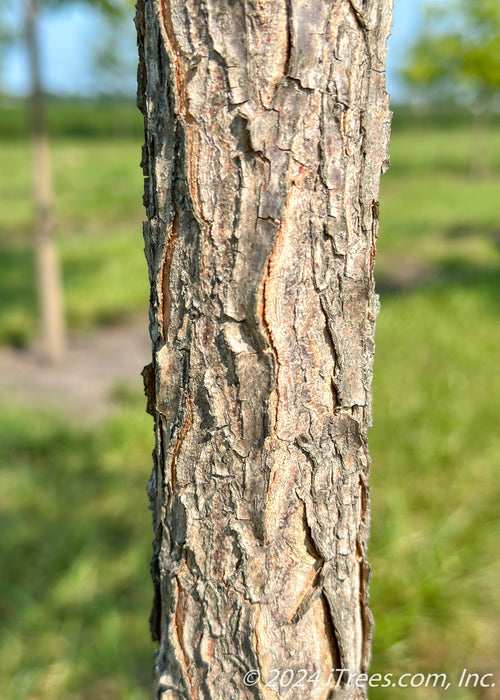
(82, 386)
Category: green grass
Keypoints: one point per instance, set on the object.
(76, 530)
(431, 202)
(98, 213)
(435, 547)
(435, 448)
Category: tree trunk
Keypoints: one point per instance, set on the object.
(50, 295)
(266, 127)
(480, 166)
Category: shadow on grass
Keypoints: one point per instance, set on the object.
(17, 294)
(460, 231)
(75, 558)
(451, 273)
(452, 164)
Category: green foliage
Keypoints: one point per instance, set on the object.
(110, 7)
(457, 50)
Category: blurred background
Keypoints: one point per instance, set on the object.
(75, 442)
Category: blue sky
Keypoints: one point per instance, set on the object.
(406, 23)
(69, 35)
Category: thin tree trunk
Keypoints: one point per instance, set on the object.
(266, 128)
(480, 165)
(50, 297)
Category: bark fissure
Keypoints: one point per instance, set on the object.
(266, 129)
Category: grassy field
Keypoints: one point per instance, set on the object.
(435, 548)
(76, 531)
(98, 214)
(75, 588)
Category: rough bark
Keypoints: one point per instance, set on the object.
(266, 130)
